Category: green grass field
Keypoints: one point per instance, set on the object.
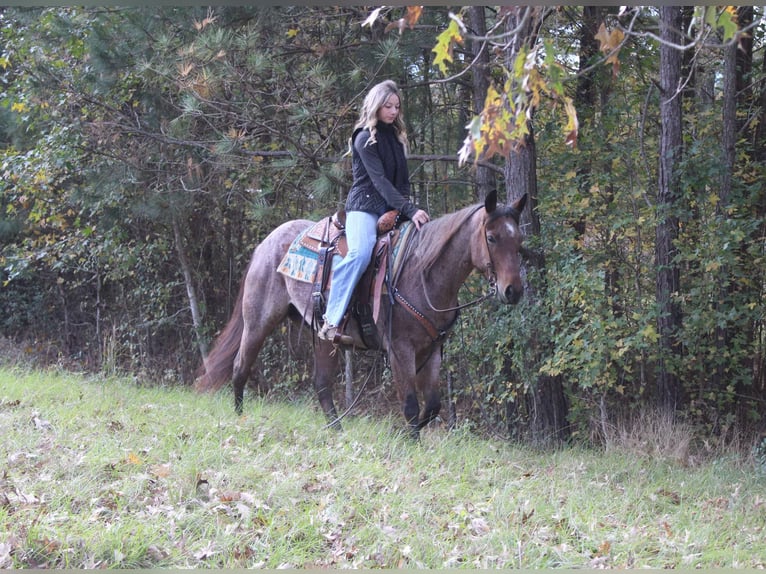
(99, 472)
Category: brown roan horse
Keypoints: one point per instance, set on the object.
(443, 253)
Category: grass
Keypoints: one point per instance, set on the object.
(106, 473)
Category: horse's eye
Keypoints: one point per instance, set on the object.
(491, 239)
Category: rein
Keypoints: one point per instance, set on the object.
(439, 334)
(491, 292)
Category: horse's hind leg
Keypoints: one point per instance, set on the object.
(248, 351)
(265, 305)
(325, 371)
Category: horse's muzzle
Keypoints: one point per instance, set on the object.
(511, 295)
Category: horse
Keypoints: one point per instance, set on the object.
(414, 318)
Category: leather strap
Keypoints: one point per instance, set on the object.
(380, 275)
(422, 319)
(321, 275)
(320, 280)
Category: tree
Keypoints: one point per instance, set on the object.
(480, 80)
(668, 194)
(547, 406)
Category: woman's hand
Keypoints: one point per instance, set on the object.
(420, 218)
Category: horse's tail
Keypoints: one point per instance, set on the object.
(217, 368)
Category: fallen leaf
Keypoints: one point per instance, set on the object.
(206, 552)
(312, 486)
(40, 424)
(114, 426)
(132, 458)
(526, 516)
(156, 553)
(666, 527)
(673, 497)
(605, 548)
(229, 496)
(161, 470)
(479, 526)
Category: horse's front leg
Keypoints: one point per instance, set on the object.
(325, 371)
(427, 382)
(403, 372)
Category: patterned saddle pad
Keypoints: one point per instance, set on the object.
(300, 261)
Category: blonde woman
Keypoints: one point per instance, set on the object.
(381, 182)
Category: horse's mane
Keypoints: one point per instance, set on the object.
(434, 237)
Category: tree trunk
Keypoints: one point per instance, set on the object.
(545, 402)
(190, 290)
(667, 273)
(743, 64)
(728, 145)
(759, 143)
(738, 94)
(585, 99)
(485, 177)
(759, 154)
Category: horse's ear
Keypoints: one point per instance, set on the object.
(519, 204)
(490, 203)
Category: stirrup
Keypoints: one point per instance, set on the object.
(334, 335)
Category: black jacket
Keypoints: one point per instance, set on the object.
(381, 177)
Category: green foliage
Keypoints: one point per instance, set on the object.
(120, 125)
(162, 116)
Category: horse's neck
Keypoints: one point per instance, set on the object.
(455, 262)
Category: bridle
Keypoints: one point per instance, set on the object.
(489, 274)
(439, 334)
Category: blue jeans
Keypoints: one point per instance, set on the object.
(361, 237)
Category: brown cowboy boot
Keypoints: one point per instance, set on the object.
(334, 335)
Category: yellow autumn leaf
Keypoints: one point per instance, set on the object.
(608, 40)
(728, 21)
(609, 44)
(649, 332)
(712, 266)
(444, 44)
(132, 458)
(573, 125)
(292, 32)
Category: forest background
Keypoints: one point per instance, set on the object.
(144, 152)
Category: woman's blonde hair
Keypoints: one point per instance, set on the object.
(373, 101)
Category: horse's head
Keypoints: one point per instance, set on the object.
(502, 238)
